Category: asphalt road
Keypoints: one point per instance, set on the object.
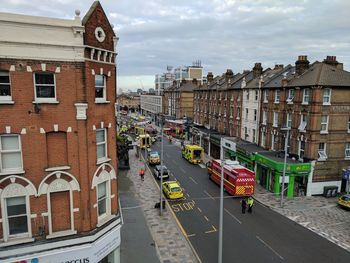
(264, 236)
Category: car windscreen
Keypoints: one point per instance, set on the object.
(154, 155)
(175, 189)
(346, 198)
(197, 154)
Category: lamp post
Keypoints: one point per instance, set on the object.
(221, 220)
(285, 161)
(161, 168)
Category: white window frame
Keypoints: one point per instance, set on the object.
(275, 119)
(247, 94)
(277, 96)
(246, 113)
(349, 125)
(104, 158)
(263, 139)
(246, 135)
(300, 150)
(104, 98)
(324, 124)
(14, 170)
(254, 135)
(45, 100)
(291, 94)
(7, 98)
(106, 200)
(27, 214)
(347, 150)
(255, 114)
(256, 95)
(306, 96)
(322, 155)
(326, 98)
(264, 120)
(303, 123)
(273, 141)
(266, 97)
(289, 120)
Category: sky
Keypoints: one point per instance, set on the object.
(222, 34)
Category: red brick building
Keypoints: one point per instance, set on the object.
(58, 187)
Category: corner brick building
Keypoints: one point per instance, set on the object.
(58, 187)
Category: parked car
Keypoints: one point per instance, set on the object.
(344, 201)
(153, 158)
(172, 190)
(157, 172)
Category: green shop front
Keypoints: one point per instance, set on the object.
(245, 153)
(269, 173)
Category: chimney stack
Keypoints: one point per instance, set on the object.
(229, 74)
(279, 66)
(331, 60)
(194, 81)
(301, 65)
(257, 70)
(210, 76)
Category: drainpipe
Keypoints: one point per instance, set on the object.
(309, 181)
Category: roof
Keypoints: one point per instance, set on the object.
(188, 86)
(275, 81)
(266, 76)
(279, 157)
(322, 74)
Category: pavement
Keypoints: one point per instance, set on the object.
(147, 236)
(316, 213)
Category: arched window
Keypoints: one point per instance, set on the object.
(101, 182)
(15, 208)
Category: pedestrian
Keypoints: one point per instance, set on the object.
(250, 204)
(142, 174)
(244, 205)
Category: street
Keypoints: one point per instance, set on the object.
(264, 236)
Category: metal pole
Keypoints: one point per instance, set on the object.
(284, 165)
(221, 202)
(161, 169)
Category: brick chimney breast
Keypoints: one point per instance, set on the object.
(331, 60)
(301, 65)
(257, 70)
(210, 76)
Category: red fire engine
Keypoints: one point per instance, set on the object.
(238, 180)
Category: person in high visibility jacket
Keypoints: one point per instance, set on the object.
(250, 202)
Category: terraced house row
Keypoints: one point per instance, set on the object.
(257, 110)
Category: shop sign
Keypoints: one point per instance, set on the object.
(286, 179)
(90, 253)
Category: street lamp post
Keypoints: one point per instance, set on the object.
(285, 162)
(221, 220)
(161, 168)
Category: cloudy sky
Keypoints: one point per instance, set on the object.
(221, 33)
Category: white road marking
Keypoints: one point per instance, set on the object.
(199, 209)
(208, 195)
(167, 155)
(182, 170)
(235, 218)
(262, 241)
(206, 218)
(202, 165)
(193, 180)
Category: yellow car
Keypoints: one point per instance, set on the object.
(172, 190)
(153, 158)
(344, 201)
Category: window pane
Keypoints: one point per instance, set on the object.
(4, 78)
(41, 78)
(16, 206)
(45, 91)
(5, 90)
(99, 80)
(11, 160)
(101, 189)
(100, 136)
(101, 151)
(18, 225)
(99, 92)
(102, 207)
(9, 143)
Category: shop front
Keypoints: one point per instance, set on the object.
(102, 247)
(215, 145)
(269, 174)
(202, 136)
(229, 147)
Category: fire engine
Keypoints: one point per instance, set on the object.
(238, 180)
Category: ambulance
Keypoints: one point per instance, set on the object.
(192, 153)
(238, 180)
